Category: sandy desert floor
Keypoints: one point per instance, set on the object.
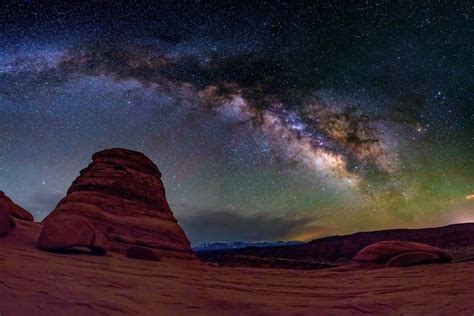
(38, 283)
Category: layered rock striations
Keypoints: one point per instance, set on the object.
(121, 195)
(6, 204)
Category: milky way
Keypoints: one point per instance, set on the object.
(258, 136)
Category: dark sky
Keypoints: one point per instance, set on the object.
(269, 120)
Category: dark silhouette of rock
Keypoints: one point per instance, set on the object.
(457, 238)
(121, 193)
(6, 222)
(413, 258)
(142, 253)
(65, 231)
(15, 210)
(384, 251)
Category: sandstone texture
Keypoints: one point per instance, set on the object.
(122, 197)
(15, 210)
(384, 251)
(64, 231)
(414, 258)
(6, 222)
(142, 253)
(35, 282)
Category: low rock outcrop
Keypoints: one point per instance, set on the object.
(65, 231)
(13, 209)
(121, 194)
(403, 253)
(457, 238)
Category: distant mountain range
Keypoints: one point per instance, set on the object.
(242, 244)
(458, 239)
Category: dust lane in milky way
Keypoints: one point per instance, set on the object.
(257, 137)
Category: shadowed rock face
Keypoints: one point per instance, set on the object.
(413, 258)
(15, 210)
(142, 253)
(6, 222)
(403, 253)
(121, 194)
(72, 231)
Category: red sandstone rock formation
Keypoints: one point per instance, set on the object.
(120, 193)
(6, 222)
(384, 251)
(65, 230)
(33, 282)
(16, 211)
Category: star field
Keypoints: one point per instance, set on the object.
(268, 120)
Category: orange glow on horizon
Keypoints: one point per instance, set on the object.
(311, 235)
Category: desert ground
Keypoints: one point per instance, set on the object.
(34, 282)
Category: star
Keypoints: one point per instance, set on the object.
(353, 119)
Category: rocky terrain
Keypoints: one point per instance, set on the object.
(113, 247)
(8, 212)
(35, 282)
(337, 250)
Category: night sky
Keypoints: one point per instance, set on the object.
(268, 120)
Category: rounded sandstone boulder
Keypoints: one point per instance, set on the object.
(384, 251)
(66, 231)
